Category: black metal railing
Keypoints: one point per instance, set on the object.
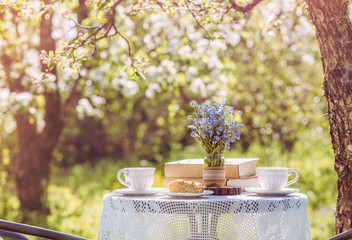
(343, 236)
(17, 231)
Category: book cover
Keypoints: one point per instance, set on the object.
(243, 182)
(193, 168)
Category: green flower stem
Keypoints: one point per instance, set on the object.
(214, 160)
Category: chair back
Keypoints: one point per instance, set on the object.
(16, 230)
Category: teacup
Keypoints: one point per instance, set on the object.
(275, 178)
(137, 179)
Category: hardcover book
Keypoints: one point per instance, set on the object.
(193, 168)
(245, 182)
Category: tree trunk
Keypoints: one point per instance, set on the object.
(35, 149)
(32, 170)
(334, 34)
(33, 165)
(35, 154)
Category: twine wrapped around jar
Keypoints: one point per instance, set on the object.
(214, 176)
(214, 170)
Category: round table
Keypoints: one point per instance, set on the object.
(245, 216)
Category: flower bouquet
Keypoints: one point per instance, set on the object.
(215, 128)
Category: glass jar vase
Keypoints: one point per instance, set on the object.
(214, 170)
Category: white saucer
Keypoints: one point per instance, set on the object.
(189, 195)
(263, 192)
(130, 192)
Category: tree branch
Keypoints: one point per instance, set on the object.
(109, 29)
(95, 34)
(72, 100)
(195, 18)
(246, 8)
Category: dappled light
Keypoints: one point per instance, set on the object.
(90, 87)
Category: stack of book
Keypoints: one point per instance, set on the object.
(240, 172)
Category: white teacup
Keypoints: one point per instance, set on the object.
(137, 179)
(275, 178)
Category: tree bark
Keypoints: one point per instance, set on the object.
(35, 149)
(334, 34)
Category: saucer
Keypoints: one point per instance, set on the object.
(130, 192)
(189, 195)
(263, 192)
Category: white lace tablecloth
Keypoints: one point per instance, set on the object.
(244, 216)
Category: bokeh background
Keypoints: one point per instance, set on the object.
(268, 66)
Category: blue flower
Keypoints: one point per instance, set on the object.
(214, 126)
